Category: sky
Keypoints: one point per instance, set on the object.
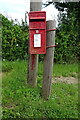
(16, 9)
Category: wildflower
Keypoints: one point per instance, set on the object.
(3, 59)
(17, 45)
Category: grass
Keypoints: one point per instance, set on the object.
(19, 100)
(65, 70)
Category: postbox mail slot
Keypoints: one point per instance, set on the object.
(37, 20)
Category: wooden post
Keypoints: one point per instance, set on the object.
(48, 60)
(33, 59)
(35, 5)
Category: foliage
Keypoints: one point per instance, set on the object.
(67, 35)
(14, 40)
(66, 38)
(67, 49)
(19, 100)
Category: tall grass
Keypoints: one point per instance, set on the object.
(19, 100)
(61, 70)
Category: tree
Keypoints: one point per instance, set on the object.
(67, 49)
(69, 23)
(66, 37)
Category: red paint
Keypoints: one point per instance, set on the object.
(51, 30)
(51, 46)
(33, 60)
(37, 25)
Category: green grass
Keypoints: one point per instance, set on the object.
(19, 100)
(65, 70)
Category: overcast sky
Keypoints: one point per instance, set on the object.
(16, 9)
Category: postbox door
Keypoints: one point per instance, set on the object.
(37, 41)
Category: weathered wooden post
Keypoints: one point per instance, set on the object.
(35, 5)
(48, 60)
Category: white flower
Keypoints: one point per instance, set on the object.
(17, 45)
(3, 59)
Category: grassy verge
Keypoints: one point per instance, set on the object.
(19, 100)
(65, 70)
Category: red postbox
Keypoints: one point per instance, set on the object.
(37, 32)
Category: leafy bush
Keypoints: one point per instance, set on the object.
(67, 49)
(14, 40)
